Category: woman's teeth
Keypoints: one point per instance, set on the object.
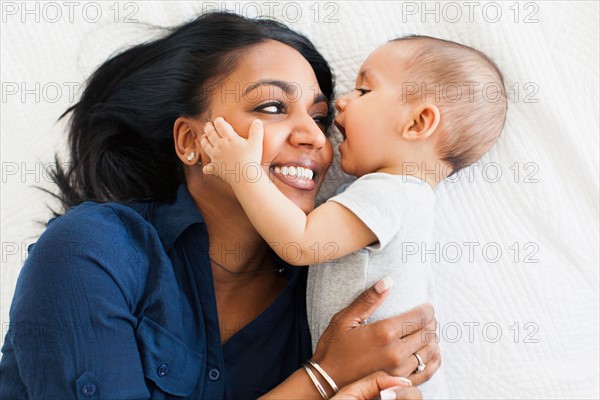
(299, 172)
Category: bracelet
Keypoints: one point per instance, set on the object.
(316, 382)
(325, 375)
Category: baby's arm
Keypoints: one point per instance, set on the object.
(276, 218)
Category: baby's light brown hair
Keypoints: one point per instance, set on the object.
(468, 88)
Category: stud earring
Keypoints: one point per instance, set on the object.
(191, 156)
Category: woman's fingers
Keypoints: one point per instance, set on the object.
(364, 305)
(409, 322)
(401, 392)
(431, 368)
(371, 386)
(349, 350)
(423, 342)
(406, 348)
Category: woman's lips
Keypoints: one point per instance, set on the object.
(298, 176)
(294, 181)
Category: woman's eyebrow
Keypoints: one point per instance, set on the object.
(287, 87)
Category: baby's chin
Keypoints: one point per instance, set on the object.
(345, 166)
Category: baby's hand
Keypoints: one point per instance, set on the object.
(230, 154)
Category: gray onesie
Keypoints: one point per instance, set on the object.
(399, 211)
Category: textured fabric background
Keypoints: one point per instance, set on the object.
(517, 236)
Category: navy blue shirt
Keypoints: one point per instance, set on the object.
(117, 302)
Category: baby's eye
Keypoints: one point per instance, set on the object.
(362, 91)
(274, 107)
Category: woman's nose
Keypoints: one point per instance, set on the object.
(307, 133)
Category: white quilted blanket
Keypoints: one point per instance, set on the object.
(517, 253)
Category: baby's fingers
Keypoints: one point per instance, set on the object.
(256, 132)
(211, 133)
(224, 129)
(209, 149)
(207, 146)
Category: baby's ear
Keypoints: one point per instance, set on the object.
(424, 121)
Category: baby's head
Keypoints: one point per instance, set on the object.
(422, 106)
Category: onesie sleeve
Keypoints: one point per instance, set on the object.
(380, 201)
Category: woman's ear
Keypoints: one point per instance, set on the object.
(425, 120)
(186, 134)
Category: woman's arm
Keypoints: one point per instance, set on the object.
(278, 220)
(72, 330)
(349, 350)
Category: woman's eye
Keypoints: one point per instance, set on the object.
(274, 107)
(321, 120)
(362, 91)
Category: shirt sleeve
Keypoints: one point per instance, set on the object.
(72, 324)
(381, 201)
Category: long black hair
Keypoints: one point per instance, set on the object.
(121, 130)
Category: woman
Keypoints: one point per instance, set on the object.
(154, 283)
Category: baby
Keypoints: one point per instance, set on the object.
(423, 108)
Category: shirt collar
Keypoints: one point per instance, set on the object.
(171, 219)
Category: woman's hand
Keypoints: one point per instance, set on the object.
(229, 151)
(379, 385)
(349, 350)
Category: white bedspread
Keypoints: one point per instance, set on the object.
(518, 253)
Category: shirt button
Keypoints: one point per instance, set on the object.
(88, 390)
(214, 374)
(163, 369)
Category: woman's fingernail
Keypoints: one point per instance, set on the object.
(405, 381)
(384, 284)
(387, 394)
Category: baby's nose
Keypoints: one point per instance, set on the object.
(341, 103)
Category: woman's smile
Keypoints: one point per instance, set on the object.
(300, 174)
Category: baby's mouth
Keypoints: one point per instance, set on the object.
(341, 129)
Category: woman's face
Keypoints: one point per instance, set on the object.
(274, 83)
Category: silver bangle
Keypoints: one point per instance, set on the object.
(318, 385)
(324, 375)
